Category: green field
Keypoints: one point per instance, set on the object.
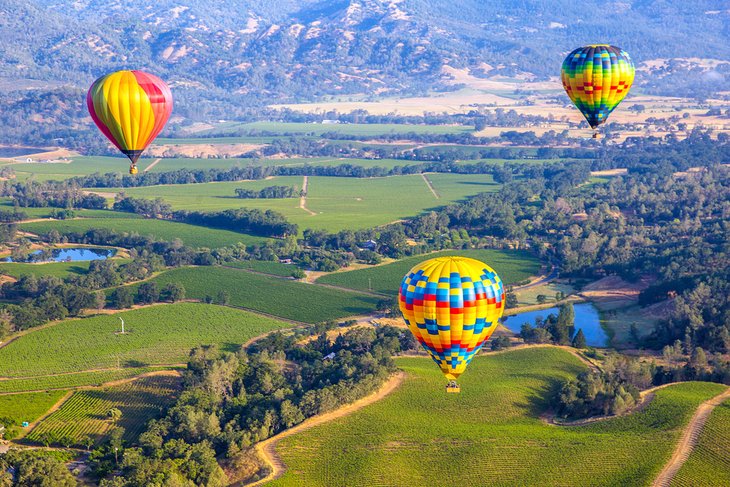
(709, 463)
(73, 380)
(266, 267)
(27, 407)
(490, 434)
(280, 297)
(161, 334)
(85, 413)
(191, 235)
(57, 269)
(511, 265)
(337, 203)
(79, 166)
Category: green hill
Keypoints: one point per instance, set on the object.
(490, 434)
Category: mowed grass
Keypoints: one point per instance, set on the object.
(709, 463)
(511, 265)
(79, 166)
(161, 334)
(337, 203)
(85, 413)
(279, 297)
(490, 434)
(191, 235)
(73, 380)
(27, 407)
(56, 269)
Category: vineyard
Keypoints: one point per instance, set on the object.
(512, 266)
(72, 380)
(279, 297)
(191, 235)
(709, 463)
(158, 335)
(26, 407)
(490, 434)
(267, 267)
(83, 417)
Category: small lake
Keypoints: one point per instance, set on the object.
(586, 318)
(70, 254)
(19, 151)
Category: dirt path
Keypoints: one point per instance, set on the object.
(430, 186)
(303, 199)
(53, 409)
(267, 448)
(154, 163)
(689, 439)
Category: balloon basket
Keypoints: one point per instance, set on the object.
(453, 388)
(596, 135)
(133, 170)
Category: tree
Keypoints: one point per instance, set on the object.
(6, 323)
(99, 299)
(541, 298)
(510, 300)
(122, 298)
(173, 292)
(223, 298)
(500, 343)
(698, 358)
(148, 293)
(114, 415)
(579, 341)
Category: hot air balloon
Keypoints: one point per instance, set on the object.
(452, 305)
(597, 78)
(130, 108)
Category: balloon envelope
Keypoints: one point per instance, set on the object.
(597, 78)
(452, 305)
(130, 108)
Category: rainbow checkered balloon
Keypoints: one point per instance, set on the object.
(597, 78)
(452, 305)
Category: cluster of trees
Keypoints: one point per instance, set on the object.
(33, 194)
(267, 192)
(233, 400)
(557, 329)
(267, 223)
(25, 468)
(156, 208)
(611, 390)
(147, 293)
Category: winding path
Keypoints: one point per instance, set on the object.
(689, 439)
(267, 448)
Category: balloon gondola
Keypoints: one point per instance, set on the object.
(451, 305)
(597, 78)
(130, 108)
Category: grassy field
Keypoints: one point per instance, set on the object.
(280, 297)
(27, 407)
(192, 235)
(709, 463)
(79, 166)
(267, 267)
(490, 434)
(73, 380)
(337, 203)
(161, 334)
(85, 413)
(512, 266)
(57, 269)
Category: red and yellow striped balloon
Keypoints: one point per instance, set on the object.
(130, 108)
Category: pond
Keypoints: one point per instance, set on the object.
(586, 318)
(70, 254)
(19, 151)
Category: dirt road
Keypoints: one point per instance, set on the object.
(303, 199)
(689, 439)
(267, 448)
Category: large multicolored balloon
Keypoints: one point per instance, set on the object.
(452, 305)
(130, 108)
(597, 78)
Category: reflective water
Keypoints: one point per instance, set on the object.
(586, 318)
